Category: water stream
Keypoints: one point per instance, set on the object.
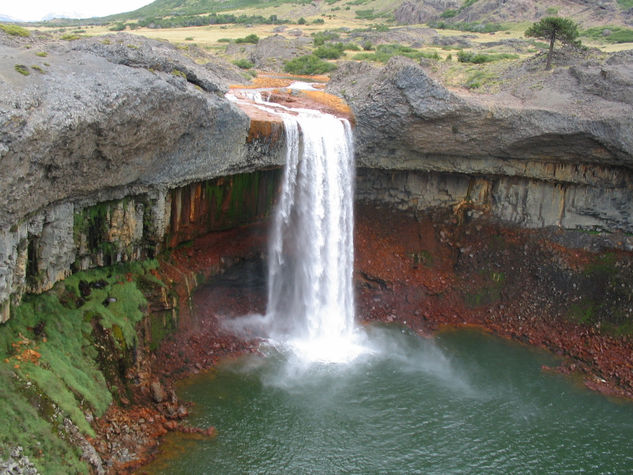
(311, 251)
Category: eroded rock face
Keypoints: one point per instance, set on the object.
(558, 156)
(96, 136)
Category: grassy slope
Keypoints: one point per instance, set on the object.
(50, 367)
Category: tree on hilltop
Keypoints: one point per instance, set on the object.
(554, 28)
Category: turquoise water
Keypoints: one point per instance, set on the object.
(463, 402)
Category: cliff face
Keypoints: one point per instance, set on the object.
(91, 143)
(111, 148)
(561, 154)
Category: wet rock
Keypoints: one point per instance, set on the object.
(157, 392)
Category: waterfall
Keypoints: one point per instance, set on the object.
(311, 250)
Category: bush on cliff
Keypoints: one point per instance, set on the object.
(308, 65)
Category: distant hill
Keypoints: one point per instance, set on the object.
(586, 12)
(7, 19)
(162, 8)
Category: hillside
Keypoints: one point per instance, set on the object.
(586, 12)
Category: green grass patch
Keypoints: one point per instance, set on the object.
(41, 54)
(611, 34)
(14, 30)
(477, 79)
(625, 3)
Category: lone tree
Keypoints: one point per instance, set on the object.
(554, 28)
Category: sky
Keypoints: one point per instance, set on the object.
(33, 10)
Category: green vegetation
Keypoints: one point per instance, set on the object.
(479, 78)
(53, 359)
(22, 69)
(70, 37)
(552, 29)
(243, 64)
(625, 3)
(37, 68)
(479, 58)
(212, 19)
(41, 54)
(118, 27)
(329, 51)
(321, 37)
(308, 64)
(468, 3)
(252, 38)
(474, 27)
(612, 34)
(384, 52)
(14, 30)
(606, 297)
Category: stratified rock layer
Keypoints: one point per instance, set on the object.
(562, 155)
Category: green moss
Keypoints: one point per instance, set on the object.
(49, 362)
(162, 324)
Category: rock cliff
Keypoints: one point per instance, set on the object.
(97, 121)
(553, 151)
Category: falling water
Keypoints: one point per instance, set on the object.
(311, 251)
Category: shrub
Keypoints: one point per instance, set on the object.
(318, 21)
(301, 21)
(117, 27)
(22, 69)
(41, 54)
(243, 63)
(449, 13)
(14, 30)
(322, 36)
(329, 51)
(70, 37)
(252, 38)
(308, 64)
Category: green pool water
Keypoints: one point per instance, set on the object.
(463, 402)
